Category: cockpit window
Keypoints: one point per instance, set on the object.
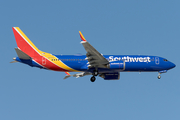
(165, 59)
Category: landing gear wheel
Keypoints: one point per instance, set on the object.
(93, 79)
(159, 77)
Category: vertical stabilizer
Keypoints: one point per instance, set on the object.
(24, 43)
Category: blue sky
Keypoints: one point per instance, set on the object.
(112, 27)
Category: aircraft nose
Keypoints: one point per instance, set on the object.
(172, 65)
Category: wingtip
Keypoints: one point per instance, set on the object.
(67, 73)
(82, 37)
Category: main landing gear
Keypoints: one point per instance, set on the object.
(93, 78)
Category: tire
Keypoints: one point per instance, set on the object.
(93, 79)
(159, 77)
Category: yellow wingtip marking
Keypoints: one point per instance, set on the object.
(67, 73)
(82, 37)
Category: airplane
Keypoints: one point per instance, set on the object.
(93, 63)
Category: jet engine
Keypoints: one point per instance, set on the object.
(116, 65)
(110, 76)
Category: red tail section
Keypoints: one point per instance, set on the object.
(42, 58)
(24, 44)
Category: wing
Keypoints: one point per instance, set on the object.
(94, 58)
(77, 75)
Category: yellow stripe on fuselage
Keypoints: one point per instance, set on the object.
(58, 62)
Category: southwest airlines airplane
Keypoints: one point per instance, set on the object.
(93, 63)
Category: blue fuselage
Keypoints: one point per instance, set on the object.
(118, 63)
(130, 62)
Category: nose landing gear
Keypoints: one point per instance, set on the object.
(160, 72)
(159, 75)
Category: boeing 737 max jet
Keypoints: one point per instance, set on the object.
(93, 63)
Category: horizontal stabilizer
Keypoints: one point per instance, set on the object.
(22, 55)
(13, 61)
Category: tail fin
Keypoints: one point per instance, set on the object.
(24, 44)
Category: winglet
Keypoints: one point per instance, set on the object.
(82, 37)
(67, 76)
(67, 73)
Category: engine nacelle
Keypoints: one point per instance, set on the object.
(116, 65)
(110, 76)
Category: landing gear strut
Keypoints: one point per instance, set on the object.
(95, 73)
